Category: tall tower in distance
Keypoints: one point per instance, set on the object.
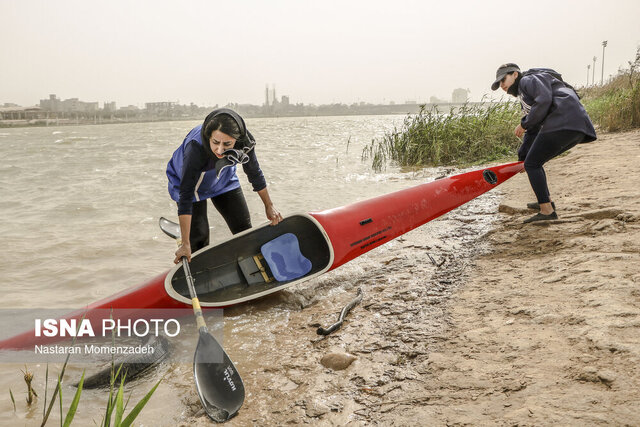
(270, 99)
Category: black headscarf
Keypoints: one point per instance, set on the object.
(239, 153)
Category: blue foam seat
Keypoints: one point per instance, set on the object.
(284, 258)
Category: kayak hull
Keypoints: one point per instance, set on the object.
(332, 237)
(360, 227)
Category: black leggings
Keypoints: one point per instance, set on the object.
(544, 148)
(233, 208)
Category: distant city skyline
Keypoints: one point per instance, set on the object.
(279, 98)
(113, 105)
(210, 53)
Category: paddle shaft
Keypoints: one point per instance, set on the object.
(219, 385)
(197, 310)
(195, 302)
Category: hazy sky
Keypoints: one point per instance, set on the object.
(321, 51)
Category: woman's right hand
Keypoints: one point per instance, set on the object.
(183, 251)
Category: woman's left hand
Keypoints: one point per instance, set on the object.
(273, 215)
(519, 131)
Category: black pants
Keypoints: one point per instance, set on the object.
(233, 208)
(544, 148)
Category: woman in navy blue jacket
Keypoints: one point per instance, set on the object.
(204, 167)
(553, 121)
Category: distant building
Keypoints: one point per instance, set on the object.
(460, 96)
(436, 100)
(51, 104)
(160, 107)
(110, 107)
(72, 105)
(76, 106)
(285, 100)
(15, 112)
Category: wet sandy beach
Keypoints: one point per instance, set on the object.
(519, 325)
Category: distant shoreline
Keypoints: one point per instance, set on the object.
(83, 119)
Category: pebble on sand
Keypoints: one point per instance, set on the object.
(337, 361)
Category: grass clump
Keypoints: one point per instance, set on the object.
(615, 106)
(115, 408)
(470, 134)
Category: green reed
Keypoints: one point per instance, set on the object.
(615, 106)
(469, 134)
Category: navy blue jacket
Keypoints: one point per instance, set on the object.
(550, 105)
(193, 176)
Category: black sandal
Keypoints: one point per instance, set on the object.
(541, 217)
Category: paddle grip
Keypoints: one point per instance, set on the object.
(197, 310)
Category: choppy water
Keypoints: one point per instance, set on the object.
(80, 204)
(80, 207)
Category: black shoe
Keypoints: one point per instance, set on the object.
(541, 217)
(536, 206)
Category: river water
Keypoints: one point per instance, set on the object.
(80, 208)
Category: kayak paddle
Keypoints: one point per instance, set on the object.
(219, 385)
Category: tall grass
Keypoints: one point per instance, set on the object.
(473, 133)
(615, 106)
(480, 133)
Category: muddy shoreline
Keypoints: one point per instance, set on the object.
(389, 335)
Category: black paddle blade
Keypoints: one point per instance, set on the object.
(219, 385)
(170, 228)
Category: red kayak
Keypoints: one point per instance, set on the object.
(266, 259)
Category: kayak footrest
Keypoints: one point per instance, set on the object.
(254, 269)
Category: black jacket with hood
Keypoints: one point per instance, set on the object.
(549, 104)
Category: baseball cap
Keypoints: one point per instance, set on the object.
(503, 70)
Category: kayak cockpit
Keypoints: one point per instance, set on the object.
(255, 262)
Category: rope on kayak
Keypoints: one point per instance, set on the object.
(343, 314)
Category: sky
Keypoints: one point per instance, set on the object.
(213, 52)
